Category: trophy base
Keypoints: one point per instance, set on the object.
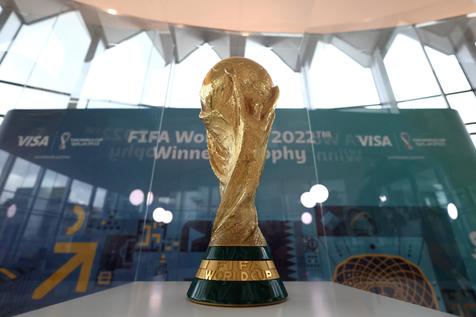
(237, 276)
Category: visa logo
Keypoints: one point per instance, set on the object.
(374, 140)
(33, 140)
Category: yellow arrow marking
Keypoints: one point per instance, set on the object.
(156, 237)
(83, 258)
(146, 241)
(8, 273)
(79, 212)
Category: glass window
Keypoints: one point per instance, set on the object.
(51, 183)
(7, 32)
(10, 97)
(471, 128)
(38, 226)
(101, 104)
(473, 138)
(23, 175)
(448, 70)
(50, 193)
(15, 97)
(289, 81)
(38, 99)
(426, 103)
(47, 54)
(465, 104)
(3, 159)
(188, 76)
(83, 100)
(80, 193)
(408, 70)
(336, 80)
(25, 50)
(99, 198)
(156, 81)
(61, 60)
(121, 73)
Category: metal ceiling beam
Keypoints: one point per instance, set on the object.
(163, 42)
(32, 11)
(466, 52)
(443, 36)
(361, 46)
(294, 51)
(186, 40)
(117, 29)
(227, 44)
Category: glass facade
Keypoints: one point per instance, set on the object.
(104, 173)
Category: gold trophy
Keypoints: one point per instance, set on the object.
(238, 101)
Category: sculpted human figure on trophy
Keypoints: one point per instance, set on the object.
(238, 101)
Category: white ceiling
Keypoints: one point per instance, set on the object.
(289, 16)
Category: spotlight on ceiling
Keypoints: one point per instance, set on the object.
(112, 11)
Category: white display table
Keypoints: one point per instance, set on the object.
(317, 299)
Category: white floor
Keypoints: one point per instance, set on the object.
(154, 299)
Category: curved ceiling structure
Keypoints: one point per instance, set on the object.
(289, 16)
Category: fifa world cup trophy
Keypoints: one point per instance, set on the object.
(238, 109)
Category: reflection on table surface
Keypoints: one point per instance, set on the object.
(325, 299)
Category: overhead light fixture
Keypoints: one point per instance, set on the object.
(150, 198)
(423, 24)
(11, 211)
(471, 15)
(112, 11)
(306, 218)
(162, 215)
(452, 211)
(307, 200)
(318, 194)
(136, 197)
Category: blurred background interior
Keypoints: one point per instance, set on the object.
(370, 173)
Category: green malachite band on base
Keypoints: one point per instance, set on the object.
(238, 253)
(237, 293)
(232, 293)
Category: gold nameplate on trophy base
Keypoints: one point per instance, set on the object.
(217, 270)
